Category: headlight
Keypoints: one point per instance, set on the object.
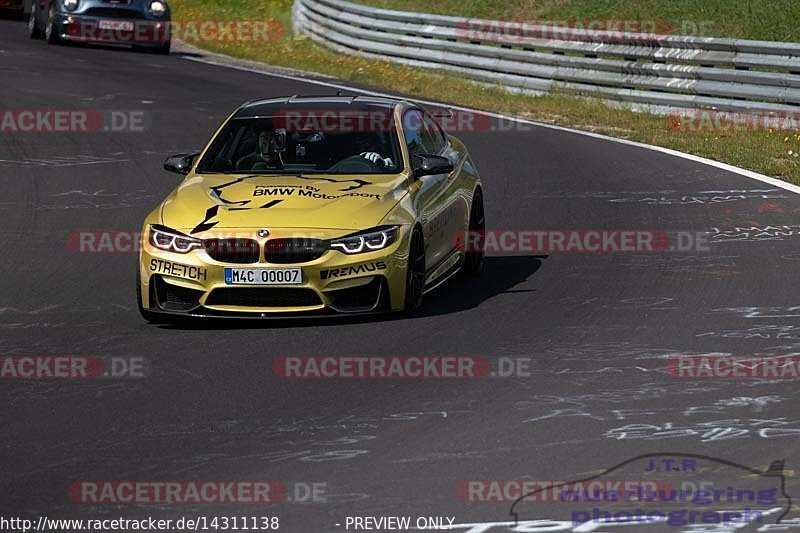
(170, 240)
(71, 5)
(158, 8)
(366, 241)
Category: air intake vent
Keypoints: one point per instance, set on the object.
(238, 251)
(263, 297)
(296, 250)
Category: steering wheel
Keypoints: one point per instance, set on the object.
(355, 164)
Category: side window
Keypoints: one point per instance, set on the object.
(437, 137)
(417, 136)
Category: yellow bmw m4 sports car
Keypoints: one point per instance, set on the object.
(307, 206)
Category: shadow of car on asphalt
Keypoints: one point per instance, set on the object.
(500, 276)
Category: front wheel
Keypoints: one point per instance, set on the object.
(33, 26)
(51, 30)
(473, 263)
(164, 48)
(415, 274)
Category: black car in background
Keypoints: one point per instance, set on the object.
(139, 23)
(12, 6)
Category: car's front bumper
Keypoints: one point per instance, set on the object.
(146, 33)
(194, 284)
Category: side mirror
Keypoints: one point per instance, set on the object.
(180, 164)
(427, 165)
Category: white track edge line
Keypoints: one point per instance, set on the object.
(668, 151)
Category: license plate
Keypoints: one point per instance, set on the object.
(122, 25)
(263, 276)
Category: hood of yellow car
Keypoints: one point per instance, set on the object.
(350, 202)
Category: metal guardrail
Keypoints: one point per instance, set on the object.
(729, 75)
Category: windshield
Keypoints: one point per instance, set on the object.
(263, 145)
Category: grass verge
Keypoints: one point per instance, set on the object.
(774, 153)
(771, 20)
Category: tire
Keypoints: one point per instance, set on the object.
(51, 32)
(473, 263)
(415, 273)
(33, 25)
(164, 48)
(160, 50)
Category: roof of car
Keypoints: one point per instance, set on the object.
(269, 106)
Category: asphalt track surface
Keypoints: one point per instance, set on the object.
(596, 327)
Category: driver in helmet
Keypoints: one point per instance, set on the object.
(264, 156)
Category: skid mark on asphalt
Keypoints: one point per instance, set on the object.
(762, 312)
(703, 197)
(754, 232)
